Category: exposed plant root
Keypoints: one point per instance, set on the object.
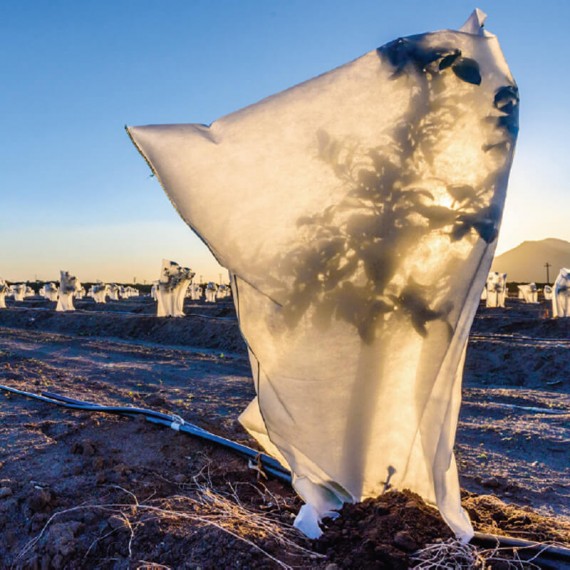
(205, 506)
(452, 554)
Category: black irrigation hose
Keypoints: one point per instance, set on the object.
(264, 462)
(544, 554)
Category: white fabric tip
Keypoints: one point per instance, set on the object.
(307, 522)
(475, 23)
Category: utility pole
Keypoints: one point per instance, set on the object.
(548, 266)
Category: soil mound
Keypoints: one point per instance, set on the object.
(381, 533)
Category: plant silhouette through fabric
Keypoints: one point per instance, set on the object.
(357, 253)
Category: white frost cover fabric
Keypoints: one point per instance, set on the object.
(113, 292)
(3, 292)
(68, 286)
(561, 294)
(357, 214)
(195, 292)
(171, 289)
(19, 291)
(153, 291)
(99, 291)
(496, 289)
(210, 293)
(128, 292)
(547, 291)
(528, 293)
(223, 292)
(49, 291)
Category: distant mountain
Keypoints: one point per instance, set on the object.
(526, 262)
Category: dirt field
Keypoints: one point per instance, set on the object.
(86, 490)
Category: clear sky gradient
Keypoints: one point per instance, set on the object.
(76, 195)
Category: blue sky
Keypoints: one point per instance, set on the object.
(76, 195)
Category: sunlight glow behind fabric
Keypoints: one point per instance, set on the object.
(357, 214)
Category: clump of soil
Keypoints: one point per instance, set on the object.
(491, 515)
(382, 532)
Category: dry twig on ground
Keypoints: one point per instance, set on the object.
(456, 555)
(204, 506)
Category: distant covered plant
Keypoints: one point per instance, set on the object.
(357, 214)
(223, 291)
(154, 290)
(496, 289)
(211, 292)
(171, 289)
(114, 292)
(4, 290)
(195, 291)
(69, 285)
(561, 294)
(129, 291)
(19, 291)
(547, 292)
(528, 292)
(99, 292)
(49, 291)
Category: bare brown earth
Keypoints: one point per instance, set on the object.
(86, 490)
